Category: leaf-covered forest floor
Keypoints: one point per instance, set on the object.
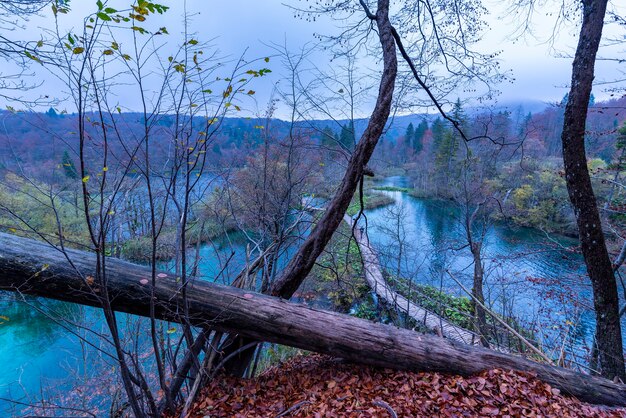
(319, 386)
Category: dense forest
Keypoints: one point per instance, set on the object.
(352, 227)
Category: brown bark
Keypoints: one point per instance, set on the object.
(265, 318)
(477, 290)
(599, 268)
(303, 261)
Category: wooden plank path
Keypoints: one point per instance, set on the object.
(376, 280)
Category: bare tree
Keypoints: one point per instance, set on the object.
(18, 53)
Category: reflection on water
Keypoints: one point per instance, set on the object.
(528, 274)
(38, 344)
(32, 344)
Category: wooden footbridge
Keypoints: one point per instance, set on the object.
(383, 290)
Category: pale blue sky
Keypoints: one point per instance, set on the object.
(235, 25)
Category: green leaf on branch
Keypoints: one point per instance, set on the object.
(103, 16)
(139, 29)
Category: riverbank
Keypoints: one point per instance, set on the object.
(139, 249)
(370, 201)
(459, 311)
(566, 229)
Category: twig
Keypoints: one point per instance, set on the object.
(231, 355)
(293, 408)
(206, 366)
(385, 405)
(504, 324)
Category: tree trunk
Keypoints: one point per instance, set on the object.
(303, 261)
(34, 268)
(599, 268)
(477, 290)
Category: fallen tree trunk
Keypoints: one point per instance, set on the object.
(34, 268)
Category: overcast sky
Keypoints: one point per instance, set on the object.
(539, 73)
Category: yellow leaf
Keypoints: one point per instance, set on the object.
(85, 179)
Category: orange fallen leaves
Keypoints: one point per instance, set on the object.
(319, 386)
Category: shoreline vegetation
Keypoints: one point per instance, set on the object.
(136, 249)
(567, 229)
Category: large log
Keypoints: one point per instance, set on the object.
(34, 268)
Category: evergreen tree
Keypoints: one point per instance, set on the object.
(68, 166)
(346, 138)
(410, 134)
(438, 129)
(523, 129)
(328, 138)
(447, 145)
(418, 137)
(621, 137)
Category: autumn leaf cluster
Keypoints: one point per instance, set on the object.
(319, 386)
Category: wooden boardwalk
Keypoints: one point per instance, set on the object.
(376, 280)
